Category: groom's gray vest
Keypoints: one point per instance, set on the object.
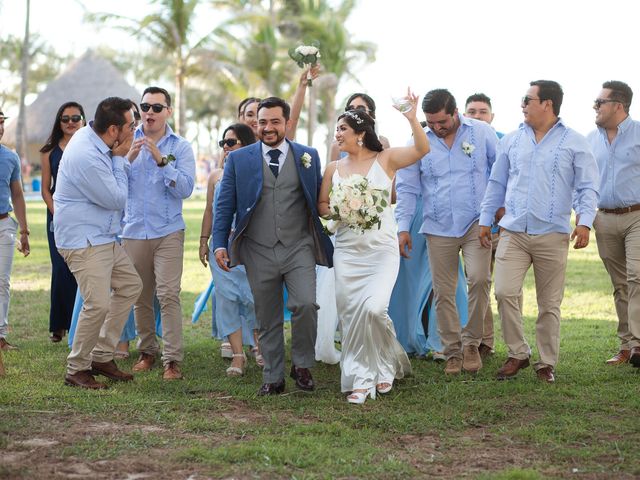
(281, 212)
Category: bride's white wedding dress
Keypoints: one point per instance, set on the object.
(366, 266)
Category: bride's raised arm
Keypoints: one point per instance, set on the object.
(400, 157)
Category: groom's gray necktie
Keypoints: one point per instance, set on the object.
(274, 164)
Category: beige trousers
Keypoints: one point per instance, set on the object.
(443, 260)
(158, 261)
(618, 238)
(109, 286)
(548, 254)
(487, 327)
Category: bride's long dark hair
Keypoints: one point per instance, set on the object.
(362, 122)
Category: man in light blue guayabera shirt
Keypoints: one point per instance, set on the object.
(90, 195)
(537, 170)
(10, 191)
(452, 179)
(163, 173)
(616, 146)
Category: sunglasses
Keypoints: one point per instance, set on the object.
(156, 107)
(229, 142)
(526, 99)
(71, 118)
(598, 102)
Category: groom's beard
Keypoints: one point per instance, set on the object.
(272, 138)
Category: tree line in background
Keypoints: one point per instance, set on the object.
(245, 54)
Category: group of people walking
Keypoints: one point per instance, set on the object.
(460, 187)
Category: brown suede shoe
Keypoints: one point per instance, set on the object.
(453, 366)
(511, 368)
(4, 345)
(545, 374)
(110, 370)
(83, 379)
(172, 371)
(144, 363)
(619, 358)
(471, 361)
(485, 350)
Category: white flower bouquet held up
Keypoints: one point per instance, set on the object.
(305, 56)
(356, 204)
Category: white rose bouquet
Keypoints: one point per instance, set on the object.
(355, 203)
(306, 55)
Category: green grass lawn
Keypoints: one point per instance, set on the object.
(209, 426)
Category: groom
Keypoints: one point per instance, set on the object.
(272, 187)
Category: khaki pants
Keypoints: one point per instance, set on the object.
(487, 327)
(443, 260)
(158, 261)
(109, 286)
(618, 238)
(548, 254)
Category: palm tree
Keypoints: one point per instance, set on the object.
(21, 127)
(168, 30)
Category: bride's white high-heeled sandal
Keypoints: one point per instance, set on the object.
(387, 389)
(359, 398)
(237, 371)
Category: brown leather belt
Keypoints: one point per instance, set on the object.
(3, 215)
(621, 210)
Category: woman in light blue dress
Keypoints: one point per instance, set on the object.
(235, 315)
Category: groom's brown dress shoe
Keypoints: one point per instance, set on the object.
(303, 378)
(271, 388)
(634, 357)
(83, 379)
(110, 370)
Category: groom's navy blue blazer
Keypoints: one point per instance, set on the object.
(240, 190)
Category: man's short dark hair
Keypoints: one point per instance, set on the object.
(438, 99)
(620, 92)
(272, 102)
(478, 97)
(110, 111)
(152, 90)
(550, 90)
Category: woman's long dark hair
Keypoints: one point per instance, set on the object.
(56, 131)
(243, 133)
(360, 121)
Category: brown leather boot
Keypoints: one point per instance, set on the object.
(110, 370)
(172, 371)
(511, 368)
(83, 379)
(471, 361)
(144, 363)
(619, 358)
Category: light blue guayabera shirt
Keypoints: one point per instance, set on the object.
(535, 182)
(619, 164)
(9, 172)
(154, 202)
(91, 191)
(452, 182)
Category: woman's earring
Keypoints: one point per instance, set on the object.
(360, 143)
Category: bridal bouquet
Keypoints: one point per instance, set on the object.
(305, 55)
(355, 203)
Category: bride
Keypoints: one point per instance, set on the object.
(366, 261)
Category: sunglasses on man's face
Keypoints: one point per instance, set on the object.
(229, 142)
(156, 107)
(71, 118)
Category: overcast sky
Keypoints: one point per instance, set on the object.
(467, 46)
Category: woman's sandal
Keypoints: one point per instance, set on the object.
(384, 386)
(358, 398)
(225, 350)
(237, 371)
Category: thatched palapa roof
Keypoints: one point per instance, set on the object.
(87, 80)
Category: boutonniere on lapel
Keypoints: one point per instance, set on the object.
(305, 159)
(468, 148)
